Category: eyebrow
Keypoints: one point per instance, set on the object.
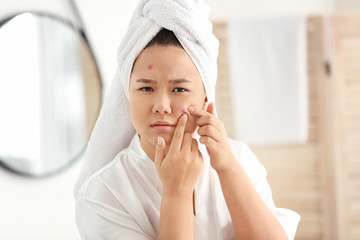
(143, 80)
(180, 80)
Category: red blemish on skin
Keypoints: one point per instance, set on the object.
(185, 111)
(150, 67)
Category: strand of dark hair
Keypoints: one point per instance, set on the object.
(164, 37)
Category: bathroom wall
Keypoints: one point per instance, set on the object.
(233, 8)
(105, 25)
(44, 208)
(347, 5)
(57, 7)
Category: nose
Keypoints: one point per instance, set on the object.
(162, 104)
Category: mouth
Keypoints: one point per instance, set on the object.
(163, 126)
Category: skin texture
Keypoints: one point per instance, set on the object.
(168, 103)
(162, 92)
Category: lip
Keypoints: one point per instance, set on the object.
(163, 126)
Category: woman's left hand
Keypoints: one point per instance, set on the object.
(213, 135)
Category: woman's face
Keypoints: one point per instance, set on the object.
(163, 83)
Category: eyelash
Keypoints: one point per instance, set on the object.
(146, 89)
(177, 90)
(181, 89)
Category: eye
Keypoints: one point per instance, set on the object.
(146, 89)
(178, 89)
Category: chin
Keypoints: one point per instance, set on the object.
(166, 136)
(167, 139)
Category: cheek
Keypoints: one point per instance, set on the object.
(135, 112)
(132, 104)
(133, 118)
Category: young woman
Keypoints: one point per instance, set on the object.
(180, 177)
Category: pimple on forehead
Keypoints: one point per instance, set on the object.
(149, 67)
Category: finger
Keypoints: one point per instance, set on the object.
(178, 135)
(197, 112)
(195, 149)
(159, 151)
(205, 118)
(186, 142)
(211, 108)
(210, 121)
(208, 141)
(210, 131)
(194, 145)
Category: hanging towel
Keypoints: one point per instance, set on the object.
(268, 78)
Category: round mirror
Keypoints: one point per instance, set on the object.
(50, 94)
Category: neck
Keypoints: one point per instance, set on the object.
(148, 148)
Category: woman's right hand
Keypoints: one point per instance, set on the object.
(180, 167)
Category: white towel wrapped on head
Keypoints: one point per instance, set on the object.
(188, 20)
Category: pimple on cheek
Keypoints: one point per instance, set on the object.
(184, 110)
(149, 67)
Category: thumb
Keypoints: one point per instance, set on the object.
(211, 108)
(159, 151)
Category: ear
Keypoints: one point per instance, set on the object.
(205, 105)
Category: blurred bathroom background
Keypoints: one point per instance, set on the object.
(288, 85)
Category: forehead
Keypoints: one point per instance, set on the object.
(170, 60)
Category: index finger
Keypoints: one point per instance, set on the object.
(197, 112)
(178, 135)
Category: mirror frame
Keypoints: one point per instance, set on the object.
(82, 35)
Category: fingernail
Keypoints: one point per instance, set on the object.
(159, 141)
(191, 109)
(184, 117)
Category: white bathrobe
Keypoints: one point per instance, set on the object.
(122, 200)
